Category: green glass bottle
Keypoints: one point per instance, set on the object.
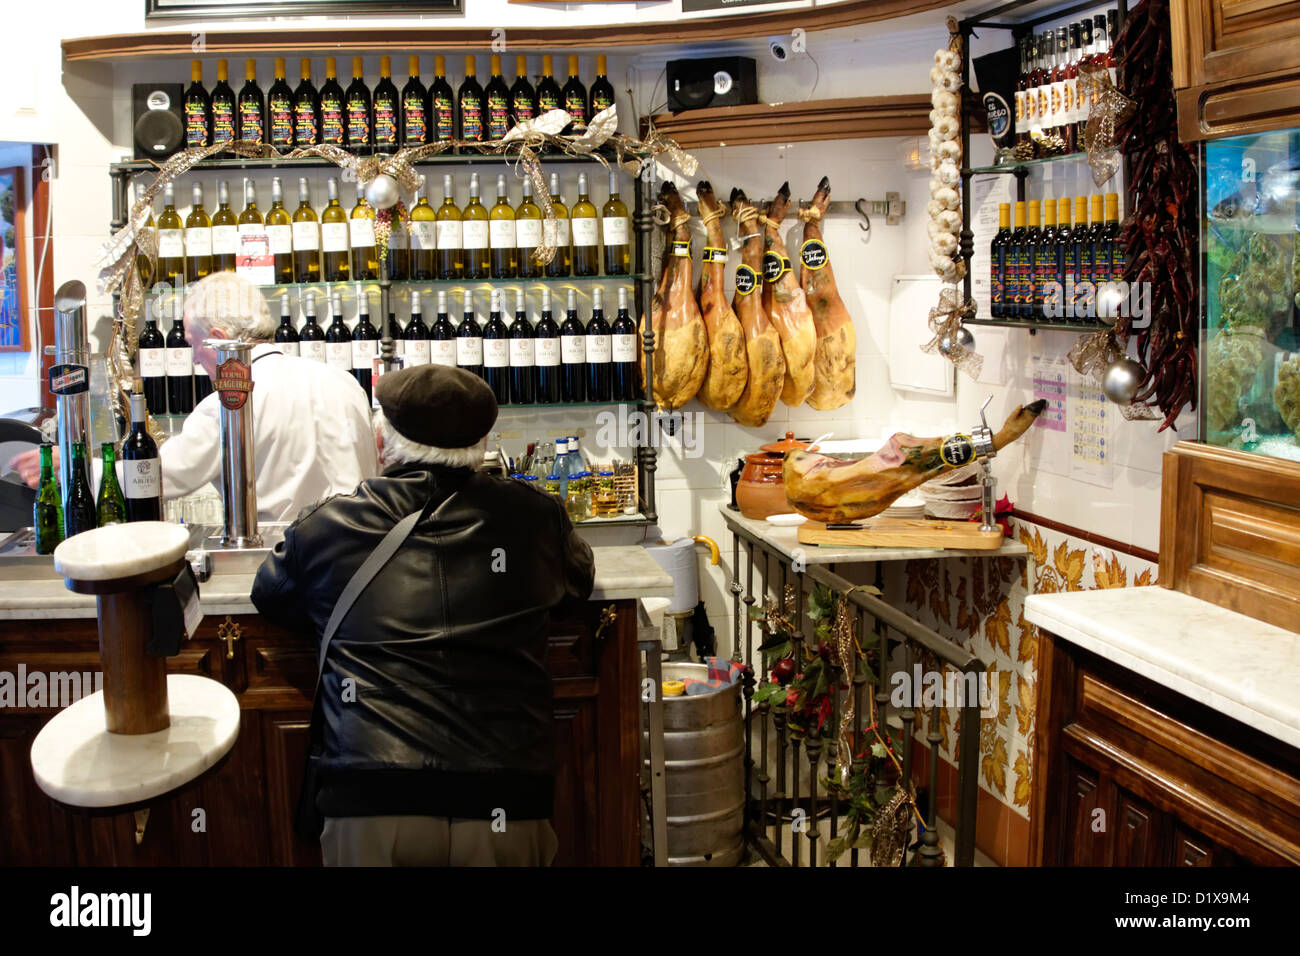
(47, 517)
(110, 504)
(80, 515)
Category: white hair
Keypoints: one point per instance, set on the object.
(400, 450)
(230, 304)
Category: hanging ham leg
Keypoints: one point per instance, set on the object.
(787, 308)
(728, 364)
(762, 343)
(681, 356)
(833, 490)
(837, 343)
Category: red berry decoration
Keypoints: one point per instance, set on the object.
(783, 670)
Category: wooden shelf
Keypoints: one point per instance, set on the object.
(280, 38)
(855, 118)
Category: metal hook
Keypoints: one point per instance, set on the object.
(861, 206)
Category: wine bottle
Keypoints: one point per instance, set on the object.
(359, 118)
(1117, 260)
(225, 233)
(1017, 250)
(306, 110)
(251, 222)
(1092, 263)
(528, 234)
(79, 512)
(442, 104)
(333, 107)
(423, 240)
(442, 336)
(397, 264)
(306, 237)
(1083, 82)
(547, 354)
(387, 110)
(1105, 249)
(252, 106)
(110, 507)
(496, 352)
(523, 370)
(998, 262)
(599, 351)
(361, 238)
(469, 340)
(223, 107)
(1070, 111)
(1064, 257)
(623, 353)
(180, 366)
(586, 233)
(198, 238)
(286, 336)
(202, 383)
(311, 340)
(338, 338)
(171, 241)
(501, 234)
(1046, 298)
(549, 95)
(616, 227)
(334, 237)
(279, 230)
(523, 98)
(1033, 238)
(279, 108)
(573, 355)
(496, 100)
(415, 107)
(575, 100)
(1082, 260)
(469, 103)
(450, 232)
(143, 266)
(602, 91)
(416, 336)
(475, 232)
(198, 110)
(141, 468)
(152, 361)
(557, 234)
(365, 345)
(47, 511)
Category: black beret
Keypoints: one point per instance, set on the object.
(437, 405)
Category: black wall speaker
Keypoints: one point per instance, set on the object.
(158, 118)
(712, 81)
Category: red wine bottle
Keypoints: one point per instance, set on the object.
(415, 108)
(333, 111)
(469, 105)
(496, 352)
(469, 340)
(623, 353)
(523, 367)
(573, 355)
(306, 110)
(387, 110)
(598, 351)
(252, 106)
(198, 109)
(279, 109)
(223, 107)
(547, 354)
(141, 468)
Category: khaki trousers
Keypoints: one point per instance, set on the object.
(435, 841)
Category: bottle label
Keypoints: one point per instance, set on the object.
(196, 125)
(385, 122)
(599, 348)
(586, 232)
(416, 351)
(281, 239)
(288, 348)
(772, 267)
(397, 234)
(363, 351)
(339, 354)
(547, 352)
(813, 255)
(680, 249)
(313, 349)
(415, 120)
(399, 348)
(1082, 100)
(225, 240)
(153, 363)
(250, 122)
(1031, 106)
(1068, 111)
(171, 243)
(423, 235)
(180, 361)
(449, 234)
(1056, 104)
(306, 236)
(281, 121)
(615, 230)
(623, 348)
(471, 118)
(1043, 113)
(469, 351)
(444, 117)
(496, 353)
(528, 233)
(334, 236)
(746, 280)
(600, 103)
(573, 349)
(576, 106)
(501, 232)
(332, 122)
(547, 102)
(141, 478)
(223, 122)
(361, 233)
(443, 352)
(474, 233)
(198, 241)
(556, 231)
(498, 116)
(305, 131)
(524, 109)
(1020, 110)
(358, 122)
(521, 352)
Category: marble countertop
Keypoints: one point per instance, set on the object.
(786, 541)
(1231, 663)
(621, 572)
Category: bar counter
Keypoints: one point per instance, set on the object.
(247, 801)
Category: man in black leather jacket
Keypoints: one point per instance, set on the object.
(438, 744)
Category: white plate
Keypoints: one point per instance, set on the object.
(787, 520)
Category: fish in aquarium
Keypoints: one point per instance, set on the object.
(1267, 206)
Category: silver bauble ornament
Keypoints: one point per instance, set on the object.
(964, 339)
(1122, 379)
(382, 192)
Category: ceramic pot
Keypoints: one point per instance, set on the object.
(761, 489)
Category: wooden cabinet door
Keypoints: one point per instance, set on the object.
(1235, 39)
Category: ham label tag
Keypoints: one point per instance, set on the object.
(713, 254)
(681, 249)
(746, 280)
(956, 450)
(813, 254)
(772, 267)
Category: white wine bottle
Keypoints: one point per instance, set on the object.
(306, 237)
(424, 243)
(171, 241)
(198, 238)
(557, 234)
(334, 237)
(501, 233)
(528, 234)
(451, 242)
(361, 238)
(586, 233)
(614, 223)
(279, 230)
(476, 233)
(225, 232)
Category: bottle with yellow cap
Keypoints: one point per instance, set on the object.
(1098, 264)
(1108, 259)
(523, 98)
(279, 109)
(1064, 258)
(1081, 261)
(442, 104)
(575, 100)
(252, 106)
(496, 102)
(359, 120)
(1017, 258)
(333, 110)
(602, 91)
(223, 106)
(469, 104)
(1112, 231)
(1034, 228)
(198, 109)
(415, 107)
(998, 262)
(387, 110)
(306, 110)
(549, 95)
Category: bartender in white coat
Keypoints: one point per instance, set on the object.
(312, 436)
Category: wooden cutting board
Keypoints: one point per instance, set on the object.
(905, 533)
